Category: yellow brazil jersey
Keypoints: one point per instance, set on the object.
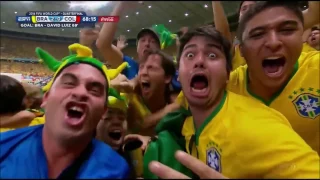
(306, 48)
(298, 100)
(242, 138)
(237, 59)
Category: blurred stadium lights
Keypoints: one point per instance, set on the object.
(88, 4)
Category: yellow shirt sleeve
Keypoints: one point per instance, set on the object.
(274, 150)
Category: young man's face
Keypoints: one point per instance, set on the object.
(202, 71)
(112, 128)
(272, 43)
(145, 43)
(314, 38)
(245, 6)
(75, 103)
(152, 78)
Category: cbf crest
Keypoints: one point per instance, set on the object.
(214, 159)
(307, 105)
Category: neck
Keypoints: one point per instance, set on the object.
(59, 156)
(140, 59)
(200, 113)
(259, 89)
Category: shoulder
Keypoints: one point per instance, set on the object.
(258, 124)
(268, 137)
(106, 162)
(310, 59)
(306, 48)
(237, 77)
(132, 70)
(5, 136)
(129, 60)
(11, 139)
(250, 109)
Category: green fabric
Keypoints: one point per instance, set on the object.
(48, 60)
(113, 92)
(169, 141)
(166, 37)
(173, 121)
(54, 64)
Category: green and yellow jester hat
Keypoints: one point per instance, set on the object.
(166, 37)
(84, 55)
(118, 102)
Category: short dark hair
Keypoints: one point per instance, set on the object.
(12, 94)
(314, 28)
(166, 62)
(263, 5)
(149, 31)
(210, 32)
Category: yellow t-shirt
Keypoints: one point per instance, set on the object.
(298, 101)
(237, 59)
(243, 138)
(306, 48)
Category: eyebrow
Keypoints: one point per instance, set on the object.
(68, 75)
(74, 77)
(97, 84)
(207, 45)
(288, 22)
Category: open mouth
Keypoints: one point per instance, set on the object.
(313, 39)
(273, 66)
(145, 85)
(115, 135)
(146, 51)
(199, 83)
(75, 112)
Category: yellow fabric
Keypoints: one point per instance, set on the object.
(301, 92)
(113, 102)
(6, 129)
(138, 111)
(246, 139)
(139, 106)
(37, 121)
(306, 48)
(182, 100)
(83, 51)
(237, 59)
(34, 122)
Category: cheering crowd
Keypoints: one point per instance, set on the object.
(231, 107)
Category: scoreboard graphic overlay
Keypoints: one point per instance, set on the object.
(58, 19)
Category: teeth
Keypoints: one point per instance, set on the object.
(274, 57)
(76, 108)
(116, 131)
(199, 90)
